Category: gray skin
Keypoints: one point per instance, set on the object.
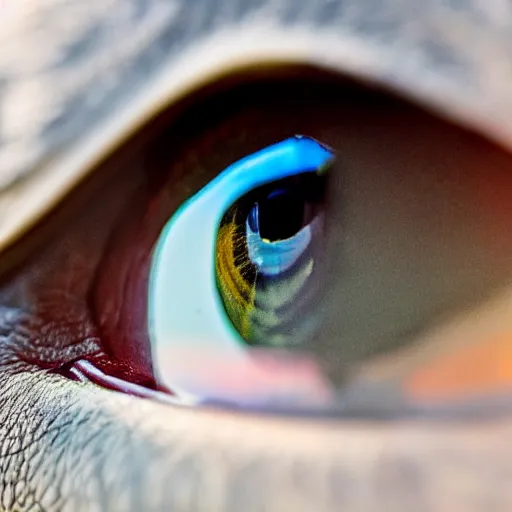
(68, 67)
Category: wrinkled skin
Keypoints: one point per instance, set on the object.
(69, 446)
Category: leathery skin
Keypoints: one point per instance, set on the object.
(77, 76)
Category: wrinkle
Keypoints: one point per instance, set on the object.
(30, 342)
(160, 457)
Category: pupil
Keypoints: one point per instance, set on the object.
(280, 214)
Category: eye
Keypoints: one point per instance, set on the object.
(295, 241)
(245, 253)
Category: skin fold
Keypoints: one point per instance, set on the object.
(75, 79)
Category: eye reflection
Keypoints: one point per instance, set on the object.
(268, 259)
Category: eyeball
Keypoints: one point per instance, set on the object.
(240, 265)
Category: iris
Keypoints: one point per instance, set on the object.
(269, 258)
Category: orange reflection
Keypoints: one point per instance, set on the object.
(482, 368)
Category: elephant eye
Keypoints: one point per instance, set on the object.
(299, 241)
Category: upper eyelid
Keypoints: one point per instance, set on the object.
(76, 54)
(59, 89)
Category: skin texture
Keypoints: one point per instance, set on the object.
(69, 446)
